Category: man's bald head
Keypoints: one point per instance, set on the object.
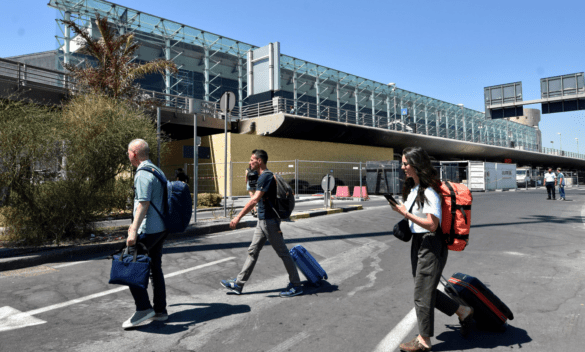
(140, 147)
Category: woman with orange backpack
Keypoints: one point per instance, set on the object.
(429, 249)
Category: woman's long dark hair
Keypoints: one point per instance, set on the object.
(427, 174)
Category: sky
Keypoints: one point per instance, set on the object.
(445, 49)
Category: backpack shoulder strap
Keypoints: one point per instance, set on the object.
(163, 182)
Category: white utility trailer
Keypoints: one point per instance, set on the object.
(506, 176)
(482, 176)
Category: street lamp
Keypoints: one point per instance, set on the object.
(560, 141)
(577, 139)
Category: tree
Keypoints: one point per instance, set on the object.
(115, 73)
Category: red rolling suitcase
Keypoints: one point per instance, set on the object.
(490, 313)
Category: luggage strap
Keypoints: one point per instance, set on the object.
(479, 295)
(454, 208)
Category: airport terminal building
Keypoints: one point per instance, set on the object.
(210, 65)
(294, 108)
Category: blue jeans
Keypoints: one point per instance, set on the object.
(562, 192)
(154, 242)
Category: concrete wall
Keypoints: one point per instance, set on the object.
(240, 146)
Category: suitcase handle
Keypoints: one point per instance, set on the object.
(450, 289)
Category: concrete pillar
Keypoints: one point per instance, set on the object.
(388, 112)
(357, 110)
(206, 72)
(240, 88)
(167, 71)
(338, 102)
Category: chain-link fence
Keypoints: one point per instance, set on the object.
(303, 176)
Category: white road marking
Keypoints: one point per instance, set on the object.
(290, 343)
(398, 334)
(400, 331)
(515, 253)
(75, 263)
(11, 318)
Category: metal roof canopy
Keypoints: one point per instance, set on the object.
(296, 127)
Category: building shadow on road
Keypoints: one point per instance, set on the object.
(182, 320)
(198, 247)
(479, 339)
(535, 219)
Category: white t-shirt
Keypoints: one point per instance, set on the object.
(550, 177)
(432, 207)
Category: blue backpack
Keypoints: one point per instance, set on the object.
(178, 207)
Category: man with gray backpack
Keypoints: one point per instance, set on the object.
(275, 201)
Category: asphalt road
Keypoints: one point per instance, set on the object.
(529, 251)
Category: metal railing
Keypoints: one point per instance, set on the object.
(552, 151)
(29, 76)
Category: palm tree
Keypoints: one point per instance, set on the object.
(115, 73)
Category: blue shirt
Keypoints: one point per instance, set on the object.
(267, 184)
(148, 188)
(561, 179)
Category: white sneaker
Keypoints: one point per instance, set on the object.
(160, 317)
(138, 317)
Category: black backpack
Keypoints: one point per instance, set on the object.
(285, 198)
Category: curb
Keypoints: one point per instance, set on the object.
(52, 255)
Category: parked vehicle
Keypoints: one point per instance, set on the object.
(527, 176)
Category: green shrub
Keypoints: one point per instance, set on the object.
(208, 200)
(83, 147)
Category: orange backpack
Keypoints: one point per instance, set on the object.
(456, 214)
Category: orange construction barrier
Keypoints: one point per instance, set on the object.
(342, 191)
(364, 193)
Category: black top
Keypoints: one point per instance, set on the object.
(252, 178)
(267, 184)
(181, 176)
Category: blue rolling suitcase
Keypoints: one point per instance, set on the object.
(307, 264)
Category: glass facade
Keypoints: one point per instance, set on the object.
(210, 64)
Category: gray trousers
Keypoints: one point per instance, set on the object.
(268, 230)
(428, 257)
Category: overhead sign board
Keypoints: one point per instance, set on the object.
(567, 93)
(496, 96)
(264, 69)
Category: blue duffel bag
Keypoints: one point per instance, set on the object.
(131, 269)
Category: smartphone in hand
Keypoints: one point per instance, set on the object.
(390, 199)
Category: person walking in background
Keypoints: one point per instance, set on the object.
(182, 176)
(148, 228)
(268, 228)
(561, 183)
(251, 181)
(428, 253)
(550, 183)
